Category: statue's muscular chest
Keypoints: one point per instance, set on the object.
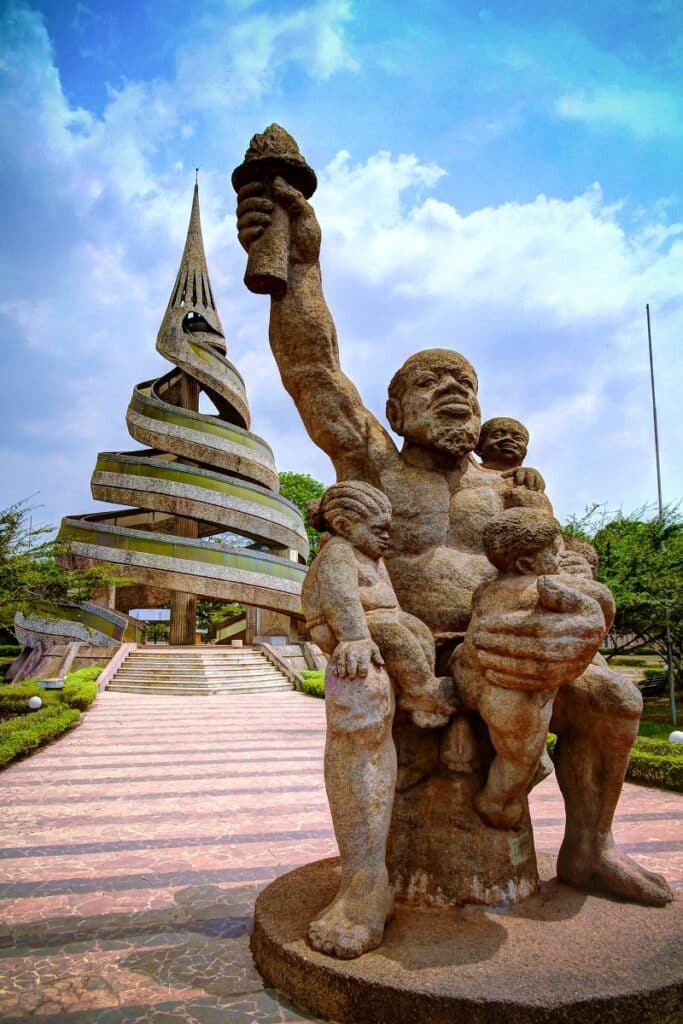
(436, 510)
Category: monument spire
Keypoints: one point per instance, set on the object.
(192, 290)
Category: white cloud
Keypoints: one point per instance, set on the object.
(231, 61)
(647, 112)
(546, 297)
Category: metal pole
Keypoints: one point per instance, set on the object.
(669, 651)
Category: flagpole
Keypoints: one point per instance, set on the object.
(669, 651)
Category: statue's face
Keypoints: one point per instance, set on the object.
(370, 535)
(549, 560)
(439, 407)
(504, 442)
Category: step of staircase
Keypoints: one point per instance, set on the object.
(188, 691)
(188, 671)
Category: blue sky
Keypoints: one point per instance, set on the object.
(502, 178)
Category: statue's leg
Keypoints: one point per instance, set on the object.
(596, 718)
(360, 777)
(407, 647)
(518, 726)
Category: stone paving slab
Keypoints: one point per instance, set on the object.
(133, 848)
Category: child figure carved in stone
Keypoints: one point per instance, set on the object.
(526, 546)
(352, 611)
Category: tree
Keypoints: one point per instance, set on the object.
(300, 488)
(212, 613)
(641, 561)
(29, 571)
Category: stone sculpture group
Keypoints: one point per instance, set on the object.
(460, 627)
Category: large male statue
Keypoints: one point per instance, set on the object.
(441, 500)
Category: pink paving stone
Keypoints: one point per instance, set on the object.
(134, 847)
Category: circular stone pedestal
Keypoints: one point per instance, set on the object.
(560, 956)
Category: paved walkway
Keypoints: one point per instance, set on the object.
(133, 848)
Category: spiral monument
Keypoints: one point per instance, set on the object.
(199, 476)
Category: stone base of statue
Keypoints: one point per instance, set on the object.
(439, 851)
(560, 956)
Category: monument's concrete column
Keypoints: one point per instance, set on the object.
(183, 605)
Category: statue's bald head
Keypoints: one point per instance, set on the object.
(430, 359)
(433, 401)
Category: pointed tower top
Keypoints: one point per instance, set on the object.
(192, 289)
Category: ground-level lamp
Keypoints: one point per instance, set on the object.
(669, 650)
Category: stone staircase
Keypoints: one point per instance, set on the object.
(198, 670)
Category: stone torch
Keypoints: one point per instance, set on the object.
(271, 154)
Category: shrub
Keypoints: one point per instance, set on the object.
(88, 674)
(9, 650)
(313, 681)
(78, 693)
(655, 770)
(14, 697)
(651, 763)
(656, 675)
(660, 747)
(21, 736)
(80, 688)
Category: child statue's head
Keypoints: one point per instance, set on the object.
(502, 443)
(357, 512)
(524, 540)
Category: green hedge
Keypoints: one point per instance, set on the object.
(9, 650)
(79, 693)
(655, 770)
(22, 736)
(660, 747)
(90, 673)
(651, 763)
(313, 682)
(25, 730)
(14, 697)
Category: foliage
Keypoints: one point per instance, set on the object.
(313, 682)
(36, 569)
(79, 694)
(211, 614)
(156, 631)
(650, 769)
(660, 747)
(655, 722)
(300, 488)
(23, 730)
(89, 673)
(80, 688)
(641, 561)
(651, 763)
(21, 736)
(9, 650)
(14, 697)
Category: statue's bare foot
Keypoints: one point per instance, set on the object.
(611, 871)
(354, 922)
(436, 703)
(496, 813)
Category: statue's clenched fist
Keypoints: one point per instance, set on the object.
(255, 210)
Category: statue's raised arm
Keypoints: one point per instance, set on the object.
(278, 227)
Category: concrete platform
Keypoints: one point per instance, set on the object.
(560, 956)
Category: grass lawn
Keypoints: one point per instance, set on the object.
(656, 721)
